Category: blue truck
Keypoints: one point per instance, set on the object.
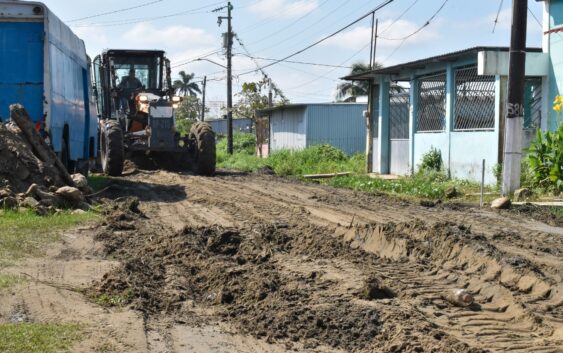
(44, 67)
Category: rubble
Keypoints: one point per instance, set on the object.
(30, 176)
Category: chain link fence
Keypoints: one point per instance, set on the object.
(431, 114)
(474, 100)
(399, 108)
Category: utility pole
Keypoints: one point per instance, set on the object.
(228, 43)
(369, 117)
(515, 107)
(203, 99)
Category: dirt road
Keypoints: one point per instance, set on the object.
(250, 263)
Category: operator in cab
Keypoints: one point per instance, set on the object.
(128, 85)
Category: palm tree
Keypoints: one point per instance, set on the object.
(355, 88)
(185, 86)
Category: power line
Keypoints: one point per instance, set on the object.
(195, 58)
(404, 39)
(324, 38)
(146, 19)
(115, 11)
(421, 27)
(498, 14)
(399, 17)
(297, 62)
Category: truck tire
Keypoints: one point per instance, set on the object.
(204, 154)
(111, 145)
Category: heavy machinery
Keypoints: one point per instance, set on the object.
(136, 106)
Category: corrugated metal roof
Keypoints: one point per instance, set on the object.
(452, 56)
(263, 112)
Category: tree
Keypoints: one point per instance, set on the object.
(254, 96)
(185, 86)
(355, 88)
(188, 112)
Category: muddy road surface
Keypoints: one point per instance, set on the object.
(253, 263)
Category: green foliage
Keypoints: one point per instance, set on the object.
(188, 112)
(427, 186)
(545, 159)
(497, 172)
(254, 96)
(185, 86)
(432, 160)
(25, 233)
(7, 281)
(314, 160)
(38, 338)
(109, 300)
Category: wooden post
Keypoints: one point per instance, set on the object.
(19, 115)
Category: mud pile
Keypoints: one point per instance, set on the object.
(241, 275)
(27, 181)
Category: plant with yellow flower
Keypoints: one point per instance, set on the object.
(558, 104)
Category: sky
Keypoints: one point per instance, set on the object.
(274, 29)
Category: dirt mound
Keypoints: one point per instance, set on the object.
(239, 273)
(19, 167)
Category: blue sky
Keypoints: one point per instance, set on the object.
(276, 28)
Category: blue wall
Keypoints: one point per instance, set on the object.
(556, 56)
(339, 125)
(239, 125)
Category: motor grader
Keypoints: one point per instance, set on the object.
(137, 106)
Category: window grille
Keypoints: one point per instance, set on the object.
(475, 100)
(399, 113)
(431, 114)
(532, 104)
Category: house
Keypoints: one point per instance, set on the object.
(456, 103)
(297, 126)
(219, 126)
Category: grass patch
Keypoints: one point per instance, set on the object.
(37, 338)
(418, 186)
(98, 182)
(25, 233)
(7, 281)
(109, 300)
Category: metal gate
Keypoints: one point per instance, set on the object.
(399, 107)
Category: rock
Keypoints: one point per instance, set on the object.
(29, 202)
(501, 203)
(78, 211)
(10, 203)
(79, 180)
(84, 206)
(522, 194)
(71, 194)
(21, 172)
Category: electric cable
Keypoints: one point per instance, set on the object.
(385, 3)
(115, 11)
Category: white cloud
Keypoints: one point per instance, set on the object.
(145, 35)
(360, 37)
(283, 8)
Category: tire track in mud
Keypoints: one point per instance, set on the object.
(519, 301)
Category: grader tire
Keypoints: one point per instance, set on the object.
(204, 154)
(111, 146)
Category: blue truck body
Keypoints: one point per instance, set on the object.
(44, 67)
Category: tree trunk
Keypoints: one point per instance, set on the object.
(19, 115)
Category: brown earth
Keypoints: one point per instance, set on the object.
(255, 263)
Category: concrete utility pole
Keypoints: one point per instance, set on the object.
(229, 82)
(228, 43)
(369, 117)
(203, 99)
(515, 107)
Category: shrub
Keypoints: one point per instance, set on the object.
(432, 160)
(545, 158)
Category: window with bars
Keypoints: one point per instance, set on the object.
(532, 103)
(474, 100)
(399, 113)
(431, 112)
